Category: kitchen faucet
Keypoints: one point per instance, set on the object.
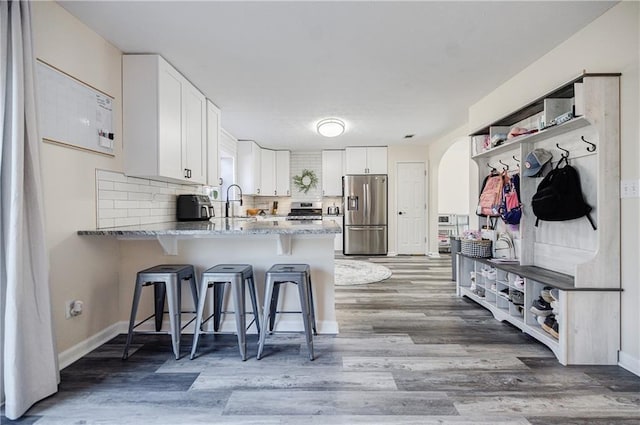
(226, 205)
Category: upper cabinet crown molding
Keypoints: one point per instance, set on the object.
(164, 122)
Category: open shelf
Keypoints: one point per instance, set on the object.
(554, 131)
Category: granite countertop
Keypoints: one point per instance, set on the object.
(221, 226)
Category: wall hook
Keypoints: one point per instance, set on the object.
(506, 166)
(592, 147)
(516, 160)
(491, 166)
(566, 152)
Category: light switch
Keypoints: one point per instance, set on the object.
(629, 188)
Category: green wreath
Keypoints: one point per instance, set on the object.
(305, 181)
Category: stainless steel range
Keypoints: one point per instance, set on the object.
(305, 211)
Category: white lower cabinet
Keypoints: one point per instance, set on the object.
(588, 330)
(337, 243)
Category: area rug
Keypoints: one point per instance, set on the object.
(353, 272)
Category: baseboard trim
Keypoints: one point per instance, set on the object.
(628, 362)
(83, 348)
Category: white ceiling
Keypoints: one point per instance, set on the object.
(386, 68)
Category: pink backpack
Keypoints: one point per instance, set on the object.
(490, 196)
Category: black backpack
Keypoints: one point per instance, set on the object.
(559, 196)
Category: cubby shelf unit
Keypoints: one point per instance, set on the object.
(582, 263)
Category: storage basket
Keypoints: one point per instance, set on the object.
(476, 248)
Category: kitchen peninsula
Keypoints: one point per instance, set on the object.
(234, 240)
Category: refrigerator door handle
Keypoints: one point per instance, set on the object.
(365, 191)
(367, 228)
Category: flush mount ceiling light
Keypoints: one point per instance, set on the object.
(330, 127)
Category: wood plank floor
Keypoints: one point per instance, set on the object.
(409, 352)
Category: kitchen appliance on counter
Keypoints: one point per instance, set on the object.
(305, 211)
(333, 210)
(365, 214)
(194, 208)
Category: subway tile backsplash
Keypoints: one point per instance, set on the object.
(125, 201)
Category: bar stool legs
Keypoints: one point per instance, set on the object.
(218, 276)
(166, 279)
(299, 274)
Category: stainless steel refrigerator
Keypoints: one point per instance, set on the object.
(365, 214)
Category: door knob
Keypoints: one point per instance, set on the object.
(400, 212)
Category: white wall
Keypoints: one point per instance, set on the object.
(81, 268)
(436, 150)
(453, 179)
(609, 44)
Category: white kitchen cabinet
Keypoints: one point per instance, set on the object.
(249, 166)
(283, 174)
(164, 122)
(366, 160)
(332, 172)
(213, 141)
(267, 172)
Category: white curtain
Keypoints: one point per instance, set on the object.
(29, 359)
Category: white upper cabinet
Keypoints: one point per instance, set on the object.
(194, 137)
(366, 160)
(249, 167)
(164, 122)
(263, 172)
(213, 142)
(283, 174)
(268, 172)
(332, 172)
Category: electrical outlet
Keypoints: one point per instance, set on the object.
(630, 189)
(73, 308)
(67, 309)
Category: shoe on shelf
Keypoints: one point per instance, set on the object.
(493, 286)
(550, 326)
(546, 294)
(504, 293)
(518, 283)
(554, 307)
(541, 320)
(540, 307)
(517, 297)
(492, 273)
(555, 294)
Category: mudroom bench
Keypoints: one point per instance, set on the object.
(587, 315)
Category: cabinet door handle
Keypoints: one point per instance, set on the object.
(220, 181)
(257, 190)
(275, 192)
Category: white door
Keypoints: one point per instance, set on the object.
(411, 208)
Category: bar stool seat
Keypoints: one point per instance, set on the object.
(237, 275)
(300, 275)
(166, 280)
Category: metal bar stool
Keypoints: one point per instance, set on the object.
(218, 276)
(299, 274)
(166, 279)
